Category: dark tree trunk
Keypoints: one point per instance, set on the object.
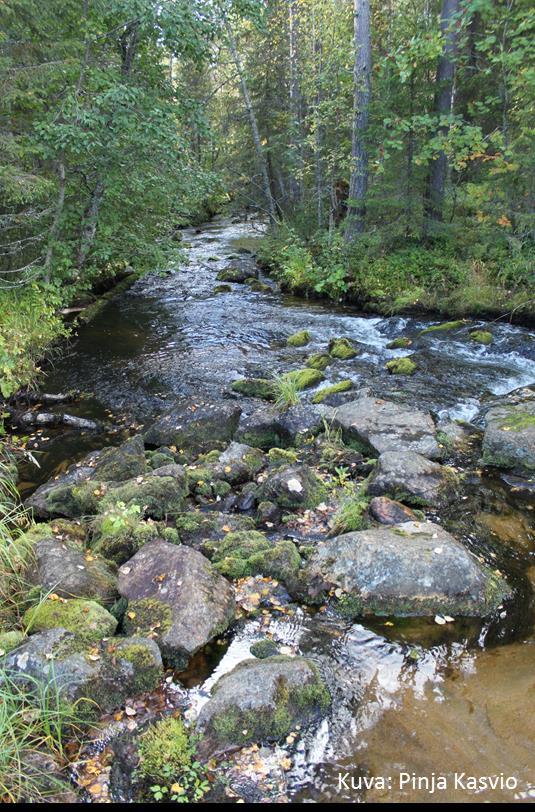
(438, 167)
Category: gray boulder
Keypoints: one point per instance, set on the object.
(104, 675)
(409, 477)
(239, 463)
(65, 569)
(195, 427)
(261, 700)
(268, 427)
(378, 425)
(509, 439)
(176, 596)
(416, 568)
(293, 486)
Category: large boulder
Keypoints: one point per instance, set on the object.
(377, 425)
(55, 497)
(416, 568)
(409, 477)
(176, 596)
(159, 493)
(269, 427)
(104, 675)
(72, 572)
(293, 486)
(195, 427)
(509, 439)
(261, 700)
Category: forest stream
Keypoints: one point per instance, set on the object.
(409, 694)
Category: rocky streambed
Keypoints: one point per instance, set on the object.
(295, 539)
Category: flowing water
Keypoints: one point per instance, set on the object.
(409, 696)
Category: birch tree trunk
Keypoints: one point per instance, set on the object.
(438, 167)
(358, 183)
(260, 154)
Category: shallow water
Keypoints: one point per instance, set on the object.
(409, 696)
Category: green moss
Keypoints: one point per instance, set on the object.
(264, 648)
(222, 289)
(518, 421)
(304, 378)
(9, 641)
(254, 388)
(446, 325)
(326, 391)
(158, 496)
(401, 366)
(246, 553)
(300, 339)
(481, 336)
(280, 456)
(400, 343)
(147, 673)
(88, 620)
(320, 360)
(147, 617)
(165, 751)
(342, 349)
(120, 532)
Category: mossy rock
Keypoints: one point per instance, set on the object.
(445, 326)
(239, 555)
(147, 617)
(319, 360)
(254, 388)
(195, 527)
(118, 535)
(222, 289)
(258, 286)
(293, 693)
(282, 456)
(481, 337)
(87, 620)
(327, 391)
(264, 648)
(292, 487)
(401, 366)
(9, 641)
(342, 348)
(158, 496)
(304, 378)
(400, 343)
(300, 339)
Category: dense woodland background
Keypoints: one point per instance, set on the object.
(390, 146)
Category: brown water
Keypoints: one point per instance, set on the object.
(410, 697)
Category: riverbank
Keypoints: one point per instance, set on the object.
(446, 281)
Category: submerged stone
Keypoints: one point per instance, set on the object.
(416, 568)
(261, 701)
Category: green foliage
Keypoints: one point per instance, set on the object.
(168, 755)
(351, 514)
(286, 392)
(32, 724)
